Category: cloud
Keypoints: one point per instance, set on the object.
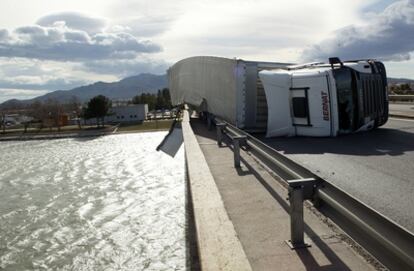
(386, 36)
(126, 67)
(4, 34)
(71, 38)
(36, 75)
(7, 94)
(40, 83)
(144, 26)
(147, 9)
(254, 29)
(74, 20)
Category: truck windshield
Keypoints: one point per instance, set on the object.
(347, 99)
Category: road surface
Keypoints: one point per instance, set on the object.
(402, 109)
(377, 167)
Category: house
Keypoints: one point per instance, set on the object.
(61, 120)
(13, 119)
(128, 113)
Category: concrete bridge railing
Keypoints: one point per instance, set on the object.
(401, 98)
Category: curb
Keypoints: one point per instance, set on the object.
(401, 116)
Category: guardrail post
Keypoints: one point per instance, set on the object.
(220, 127)
(209, 122)
(299, 190)
(296, 218)
(236, 149)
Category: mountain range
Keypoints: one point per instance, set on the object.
(123, 89)
(393, 81)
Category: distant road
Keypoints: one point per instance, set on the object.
(377, 167)
(402, 109)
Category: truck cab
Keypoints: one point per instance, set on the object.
(320, 99)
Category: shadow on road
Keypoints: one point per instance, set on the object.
(383, 141)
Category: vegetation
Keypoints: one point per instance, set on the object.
(74, 106)
(98, 107)
(39, 115)
(36, 130)
(401, 89)
(146, 126)
(48, 113)
(3, 121)
(161, 100)
(53, 114)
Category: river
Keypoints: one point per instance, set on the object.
(107, 203)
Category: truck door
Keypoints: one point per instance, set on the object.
(310, 104)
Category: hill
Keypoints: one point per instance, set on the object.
(394, 81)
(123, 89)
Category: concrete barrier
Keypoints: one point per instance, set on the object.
(219, 247)
(401, 98)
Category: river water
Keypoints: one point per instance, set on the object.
(107, 203)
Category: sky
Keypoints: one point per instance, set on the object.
(47, 45)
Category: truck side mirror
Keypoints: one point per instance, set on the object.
(335, 60)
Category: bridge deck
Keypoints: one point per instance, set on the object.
(376, 167)
(256, 203)
(404, 110)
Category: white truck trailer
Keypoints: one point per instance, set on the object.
(282, 99)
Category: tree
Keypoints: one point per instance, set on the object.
(54, 110)
(146, 98)
(98, 107)
(48, 113)
(405, 87)
(401, 89)
(37, 111)
(161, 100)
(74, 107)
(3, 121)
(137, 99)
(167, 98)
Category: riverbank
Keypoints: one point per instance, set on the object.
(72, 131)
(153, 125)
(63, 133)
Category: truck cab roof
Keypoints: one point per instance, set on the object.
(363, 66)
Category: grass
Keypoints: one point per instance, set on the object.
(52, 130)
(153, 125)
(146, 126)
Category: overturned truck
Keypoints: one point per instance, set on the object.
(282, 99)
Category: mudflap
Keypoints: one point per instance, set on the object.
(173, 140)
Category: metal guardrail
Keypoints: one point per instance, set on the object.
(401, 98)
(387, 241)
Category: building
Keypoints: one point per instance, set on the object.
(13, 119)
(61, 120)
(128, 113)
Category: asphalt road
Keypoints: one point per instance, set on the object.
(402, 109)
(377, 167)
